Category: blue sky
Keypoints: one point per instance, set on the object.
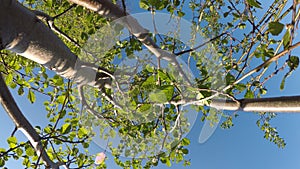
(242, 146)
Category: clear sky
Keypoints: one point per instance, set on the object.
(241, 147)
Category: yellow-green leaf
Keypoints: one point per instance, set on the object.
(66, 128)
(31, 96)
(12, 141)
(9, 78)
(29, 151)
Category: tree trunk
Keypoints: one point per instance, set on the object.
(23, 33)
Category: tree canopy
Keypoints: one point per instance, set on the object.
(136, 81)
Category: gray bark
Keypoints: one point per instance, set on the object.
(274, 104)
(23, 33)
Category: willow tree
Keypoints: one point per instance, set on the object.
(40, 37)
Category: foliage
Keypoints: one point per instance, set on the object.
(236, 30)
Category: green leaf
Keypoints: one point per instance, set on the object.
(21, 91)
(199, 96)
(9, 78)
(31, 96)
(29, 151)
(144, 4)
(293, 62)
(61, 99)
(12, 141)
(176, 2)
(26, 162)
(58, 81)
(256, 83)
(225, 14)
(85, 145)
(240, 87)
(229, 78)
(161, 4)
(168, 162)
(263, 91)
(19, 151)
(164, 77)
(286, 39)
(254, 3)
(180, 13)
(84, 36)
(168, 90)
(149, 83)
(144, 108)
(282, 84)
(162, 94)
(49, 3)
(249, 94)
(2, 150)
(13, 85)
(275, 28)
(82, 132)
(185, 142)
(149, 68)
(2, 162)
(112, 133)
(47, 130)
(79, 9)
(66, 128)
(185, 151)
(242, 26)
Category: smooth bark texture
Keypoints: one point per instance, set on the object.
(22, 32)
(23, 124)
(274, 104)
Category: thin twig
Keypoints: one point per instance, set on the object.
(266, 63)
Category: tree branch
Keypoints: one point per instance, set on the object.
(31, 38)
(286, 104)
(111, 11)
(23, 124)
(263, 65)
(275, 104)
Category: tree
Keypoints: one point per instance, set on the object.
(144, 110)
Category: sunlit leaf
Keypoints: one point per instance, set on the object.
(144, 4)
(9, 78)
(12, 141)
(249, 94)
(185, 142)
(29, 151)
(31, 96)
(66, 128)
